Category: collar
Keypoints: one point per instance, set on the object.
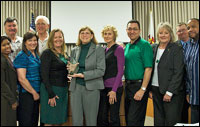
(45, 38)
(18, 39)
(86, 45)
(136, 41)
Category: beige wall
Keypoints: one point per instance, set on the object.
(170, 11)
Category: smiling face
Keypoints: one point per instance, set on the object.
(5, 47)
(41, 26)
(58, 40)
(133, 31)
(193, 29)
(31, 44)
(11, 28)
(85, 36)
(109, 36)
(182, 32)
(163, 36)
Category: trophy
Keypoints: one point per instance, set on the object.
(72, 66)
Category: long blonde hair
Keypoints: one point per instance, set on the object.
(50, 44)
(91, 31)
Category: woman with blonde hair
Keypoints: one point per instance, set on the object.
(166, 81)
(54, 87)
(110, 97)
(87, 79)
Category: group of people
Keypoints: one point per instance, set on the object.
(36, 70)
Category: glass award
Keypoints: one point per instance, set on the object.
(73, 66)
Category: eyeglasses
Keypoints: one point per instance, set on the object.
(40, 24)
(134, 29)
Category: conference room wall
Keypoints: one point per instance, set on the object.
(171, 11)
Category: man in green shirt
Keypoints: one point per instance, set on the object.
(138, 68)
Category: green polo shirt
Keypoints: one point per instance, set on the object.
(138, 56)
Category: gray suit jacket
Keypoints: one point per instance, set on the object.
(94, 67)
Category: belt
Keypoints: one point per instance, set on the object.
(133, 81)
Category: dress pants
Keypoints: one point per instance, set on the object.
(194, 113)
(105, 107)
(135, 111)
(84, 102)
(28, 110)
(167, 113)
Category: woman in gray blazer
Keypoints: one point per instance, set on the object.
(87, 79)
(8, 86)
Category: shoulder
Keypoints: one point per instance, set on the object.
(46, 51)
(99, 48)
(119, 49)
(21, 55)
(176, 45)
(46, 54)
(144, 43)
(20, 39)
(3, 62)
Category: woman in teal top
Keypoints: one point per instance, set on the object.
(54, 87)
(27, 64)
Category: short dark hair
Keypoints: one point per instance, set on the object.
(134, 21)
(5, 38)
(195, 19)
(10, 19)
(27, 36)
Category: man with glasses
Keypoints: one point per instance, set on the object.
(11, 29)
(183, 39)
(42, 27)
(138, 68)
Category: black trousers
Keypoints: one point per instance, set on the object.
(194, 113)
(135, 111)
(105, 107)
(167, 113)
(186, 105)
(28, 110)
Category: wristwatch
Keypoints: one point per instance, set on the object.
(143, 88)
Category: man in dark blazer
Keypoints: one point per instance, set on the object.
(183, 39)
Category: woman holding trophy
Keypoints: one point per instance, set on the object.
(87, 78)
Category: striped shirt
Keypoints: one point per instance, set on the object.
(192, 68)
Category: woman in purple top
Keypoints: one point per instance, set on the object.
(110, 97)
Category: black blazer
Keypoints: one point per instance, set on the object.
(170, 68)
(53, 71)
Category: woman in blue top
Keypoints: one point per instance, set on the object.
(27, 64)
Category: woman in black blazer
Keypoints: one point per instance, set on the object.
(167, 77)
(8, 86)
(54, 87)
